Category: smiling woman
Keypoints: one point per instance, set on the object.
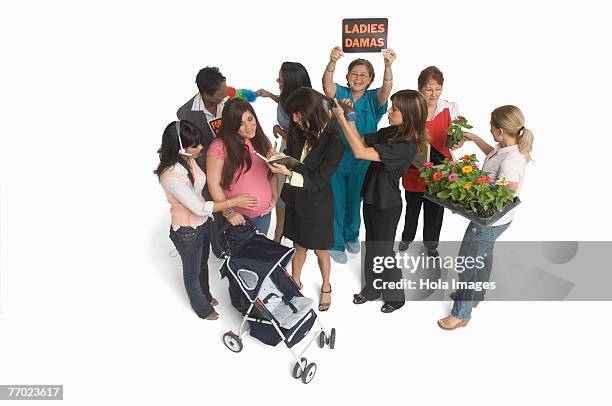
(369, 105)
(233, 167)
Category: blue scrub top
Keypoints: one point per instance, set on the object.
(370, 114)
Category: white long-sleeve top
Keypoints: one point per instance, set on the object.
(187, 205)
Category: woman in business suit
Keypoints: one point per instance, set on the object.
(312, 139)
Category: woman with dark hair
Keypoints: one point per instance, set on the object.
(183, 181)
(233, 167)
(313, 140)
(440, 115)
(370, 105)
(391, 151)
(292, 75)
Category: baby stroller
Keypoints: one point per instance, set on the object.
(272, 303)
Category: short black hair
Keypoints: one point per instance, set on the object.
(209, 79)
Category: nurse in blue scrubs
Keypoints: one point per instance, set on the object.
(370, 105)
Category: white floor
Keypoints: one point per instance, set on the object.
(89, 297)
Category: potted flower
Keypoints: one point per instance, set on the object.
(463, 187)
(454, 133)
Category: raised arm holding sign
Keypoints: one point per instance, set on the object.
(369, 106)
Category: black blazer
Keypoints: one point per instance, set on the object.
(315, 199)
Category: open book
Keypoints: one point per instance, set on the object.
(288, 161)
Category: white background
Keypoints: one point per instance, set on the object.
(89, 297)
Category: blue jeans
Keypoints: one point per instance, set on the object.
(193, 245)
(262, 224)
(478, 241)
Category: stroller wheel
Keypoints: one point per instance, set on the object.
(332, 339)
(322, 339)
(232, 341)
(299, 367)
(309, 373)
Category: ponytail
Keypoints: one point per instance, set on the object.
(510, 119)
(525, 142)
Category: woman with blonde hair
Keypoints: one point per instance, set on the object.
(506, 163)
(391, 150)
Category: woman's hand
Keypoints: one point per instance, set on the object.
(270, 206)
(389, 56)
(279, 168)
(336, 53)
(337, 111)
(468, 136)
(459, 144)
(245, 201)
(264, 93)
(277, 130)
(236, 219)
(271, 152)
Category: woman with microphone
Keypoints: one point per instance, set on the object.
(182, 181)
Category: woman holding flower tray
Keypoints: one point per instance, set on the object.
(440, 115)
(505, 163)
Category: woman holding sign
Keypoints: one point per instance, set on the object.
(370, 105)
(391, 151)
(291, 76)
(233, 167)
(440, 115)
(313, 140)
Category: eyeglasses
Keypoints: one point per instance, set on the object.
(360, 76)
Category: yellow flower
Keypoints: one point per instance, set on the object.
(466, 169)
(467, 185)
(501, 182)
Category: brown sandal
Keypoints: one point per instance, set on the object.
(323, 307)
(214, 302)
(213, 316)
(443, 323)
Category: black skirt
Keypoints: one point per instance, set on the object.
(313, 234)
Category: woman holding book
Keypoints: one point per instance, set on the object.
(390, 150)
(313, 140)
(233, 167)
(291, 76)
(506, 164)
(440, 115)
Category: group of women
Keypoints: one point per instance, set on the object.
(344, 162)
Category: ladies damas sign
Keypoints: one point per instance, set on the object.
(364, 34)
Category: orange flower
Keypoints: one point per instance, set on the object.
(437, 176)
(465, 158)
(466, 169)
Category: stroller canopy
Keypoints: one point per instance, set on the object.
(252, 258)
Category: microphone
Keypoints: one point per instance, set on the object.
(181, 151)
(349, 112)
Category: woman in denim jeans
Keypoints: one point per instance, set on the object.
(183, 181)
(506, 163)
